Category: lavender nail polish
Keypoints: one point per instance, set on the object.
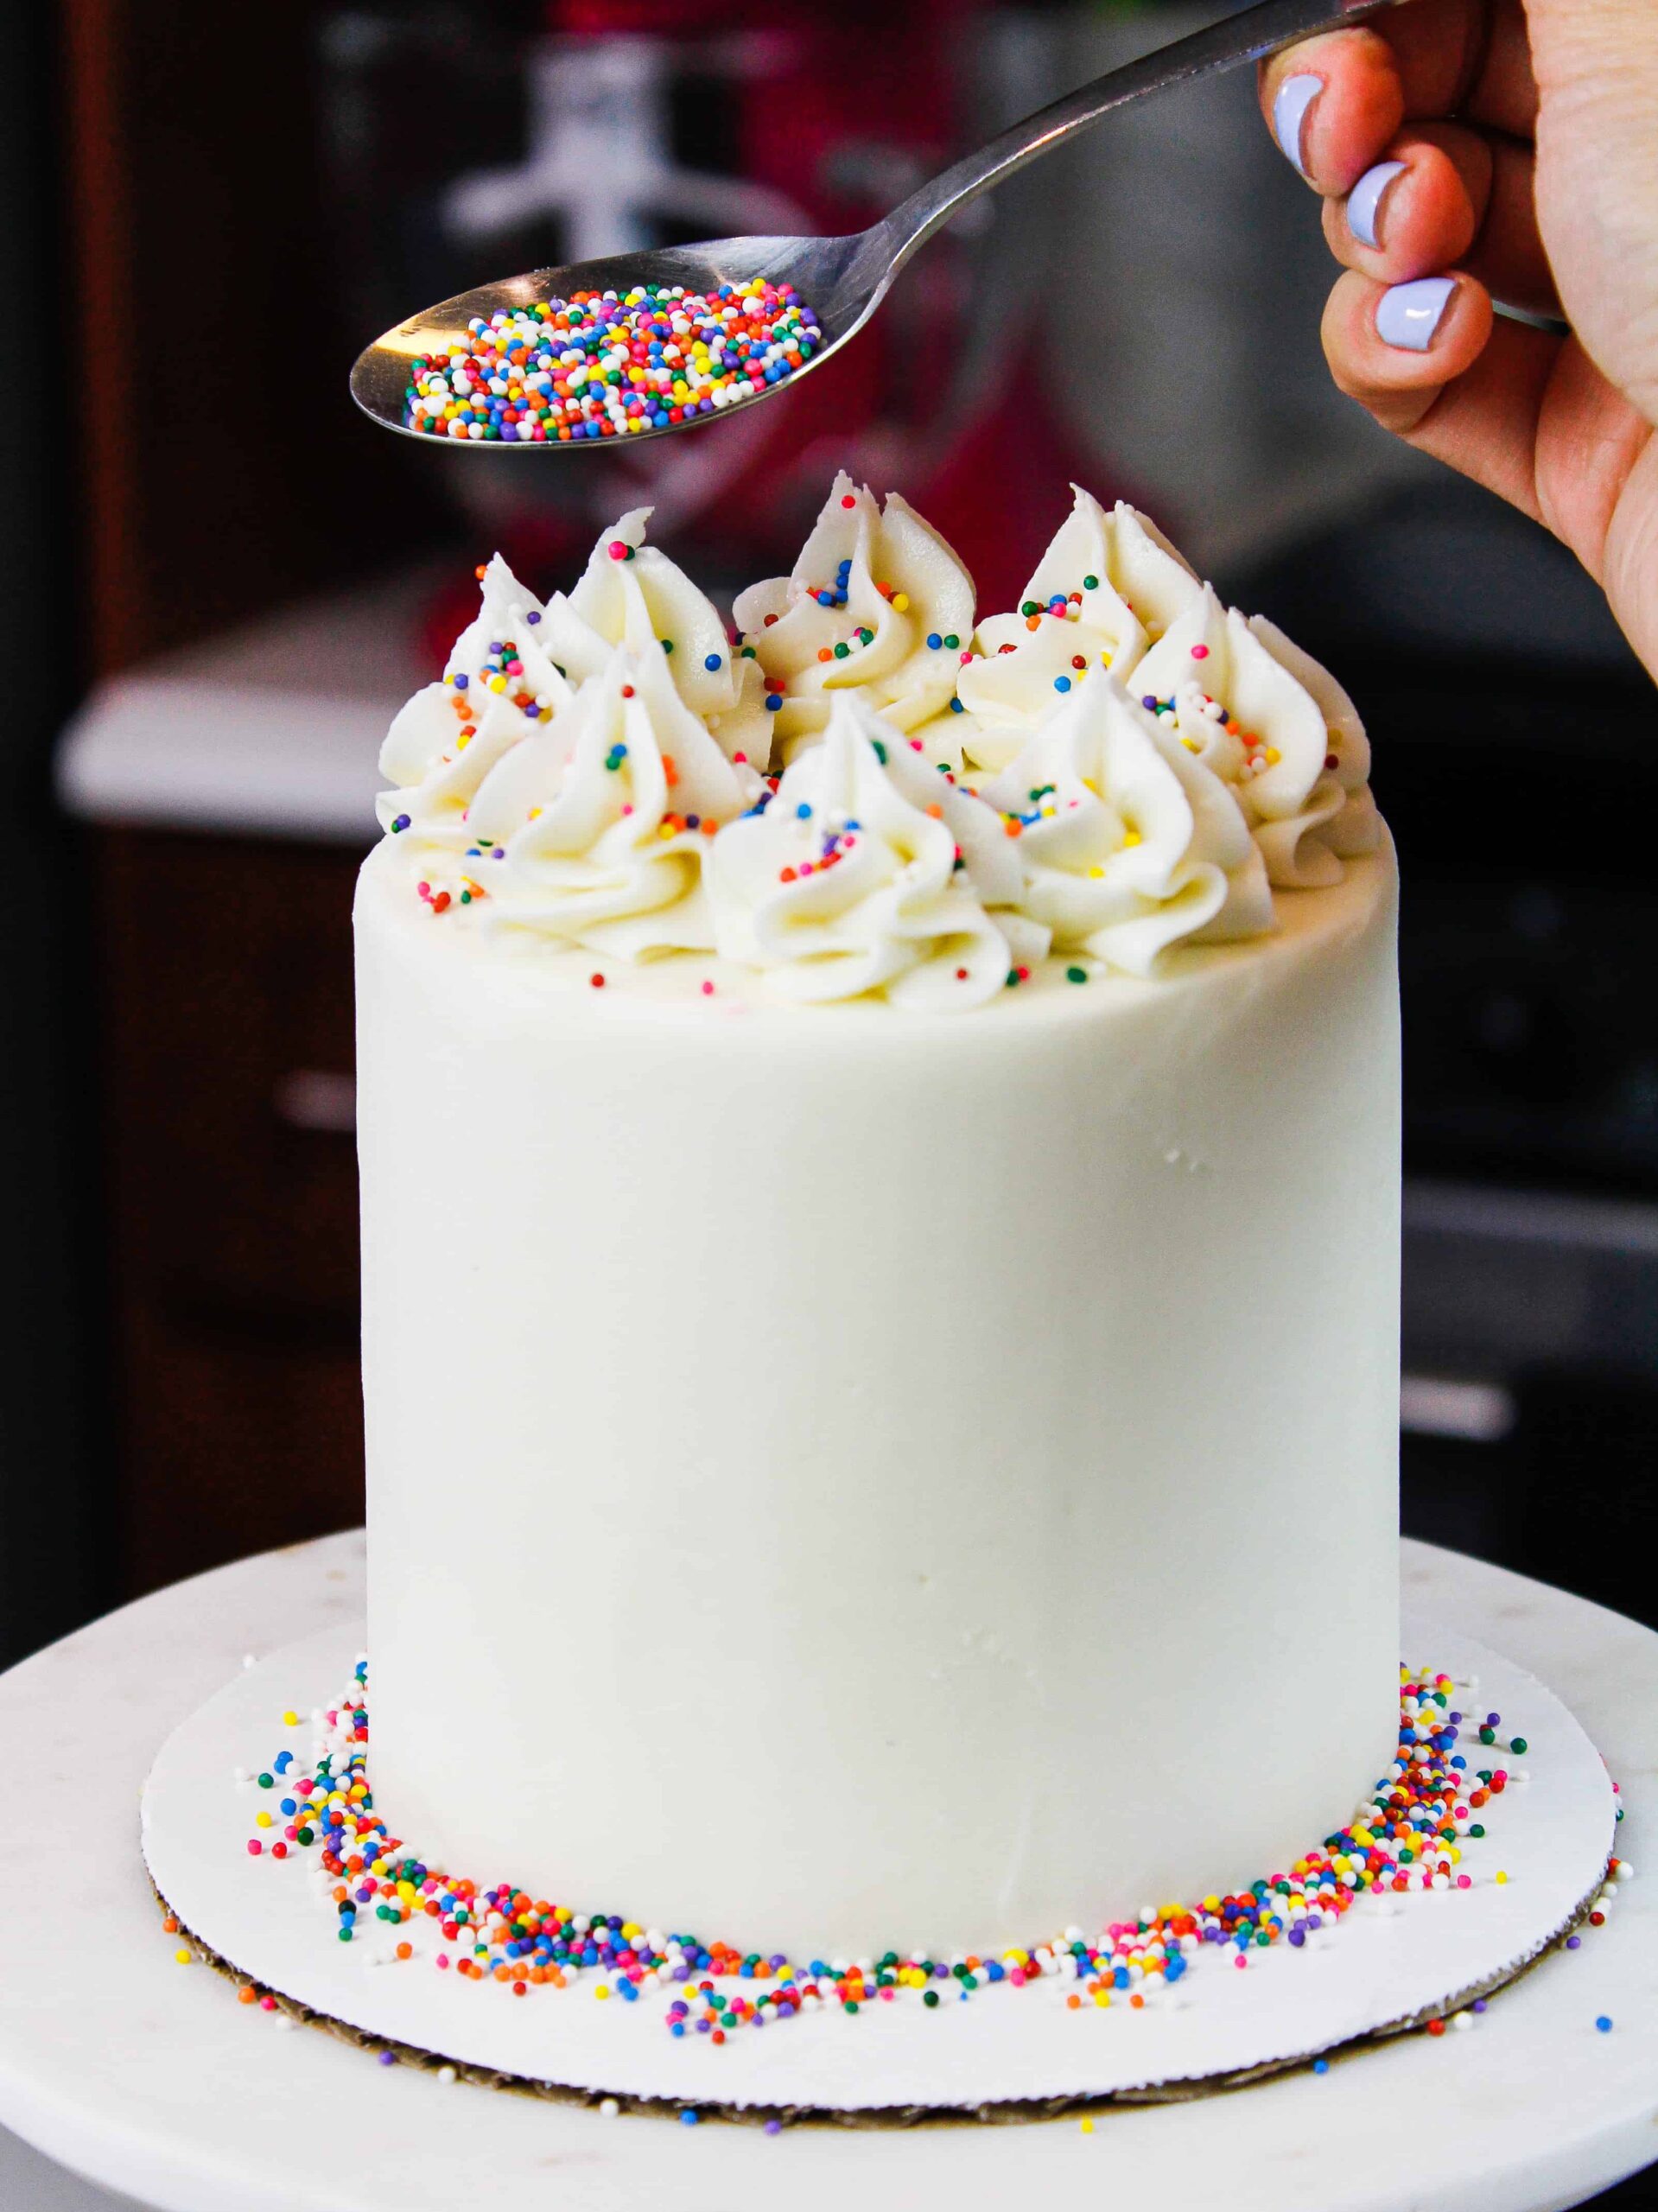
(1364, 201)
(1409, 315)
(1295, 96)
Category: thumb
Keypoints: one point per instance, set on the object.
(1595, 63)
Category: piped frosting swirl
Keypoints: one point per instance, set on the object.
(1107, 587)
(1128, 844)
(864, 796)
(1274, 725)
(518, 663)
(876, 603)
(498, 685)
(632, 594)
(597, 830)
(867, 872)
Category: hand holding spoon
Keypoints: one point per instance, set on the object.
(843, 280)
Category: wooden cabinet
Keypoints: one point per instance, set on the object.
(227, 470)
(231, 480)
(227, 1042)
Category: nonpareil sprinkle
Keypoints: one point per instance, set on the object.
(608, 364)
(1409, 1835)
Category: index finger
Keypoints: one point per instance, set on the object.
(1336, 101)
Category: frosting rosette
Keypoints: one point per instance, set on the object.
(1109, 585)
(518, 663)
(1273, 724)
(1355, 828)
(876, 603)
(498, 685)
(1127, 843)
(864, 796)
(868, 872)
(631, 594)
(596, 830)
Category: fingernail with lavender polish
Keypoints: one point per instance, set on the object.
(1295, 96)
(1409, 315)
(1364, 201)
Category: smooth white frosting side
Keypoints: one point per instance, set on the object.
(872, 586)
(868, 872)
(1127, 843)
(933, 1452)
(1107, 586)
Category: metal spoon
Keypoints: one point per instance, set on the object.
(844, 279)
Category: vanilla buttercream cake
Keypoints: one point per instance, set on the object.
(880, 1147)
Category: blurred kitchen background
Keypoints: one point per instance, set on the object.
(216, 582)
(219, 583)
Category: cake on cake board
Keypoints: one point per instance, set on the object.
(879, 1169)
(145, 2075)
(879, 1147)
(880, 1151)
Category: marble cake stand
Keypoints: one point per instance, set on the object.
(140, 2075)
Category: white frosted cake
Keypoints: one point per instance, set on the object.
(879, 1172)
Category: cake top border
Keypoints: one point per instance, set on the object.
(870, 791)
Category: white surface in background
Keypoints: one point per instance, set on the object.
(270, 730)
(1442, 1405)
(160, 2075)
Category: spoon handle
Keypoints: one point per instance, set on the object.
(1259, 30)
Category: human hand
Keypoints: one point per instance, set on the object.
(1468, 149)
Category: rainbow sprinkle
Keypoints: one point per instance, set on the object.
(1408, 1836)
(605, 365)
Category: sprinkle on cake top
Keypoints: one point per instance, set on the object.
(865, 791)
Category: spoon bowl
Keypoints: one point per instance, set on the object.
(843, 280)
(840, 278)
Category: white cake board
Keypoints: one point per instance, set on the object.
(147, 2077)
(1394, 1961)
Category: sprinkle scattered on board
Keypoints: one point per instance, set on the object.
(604, 365)
(1409, 1836)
